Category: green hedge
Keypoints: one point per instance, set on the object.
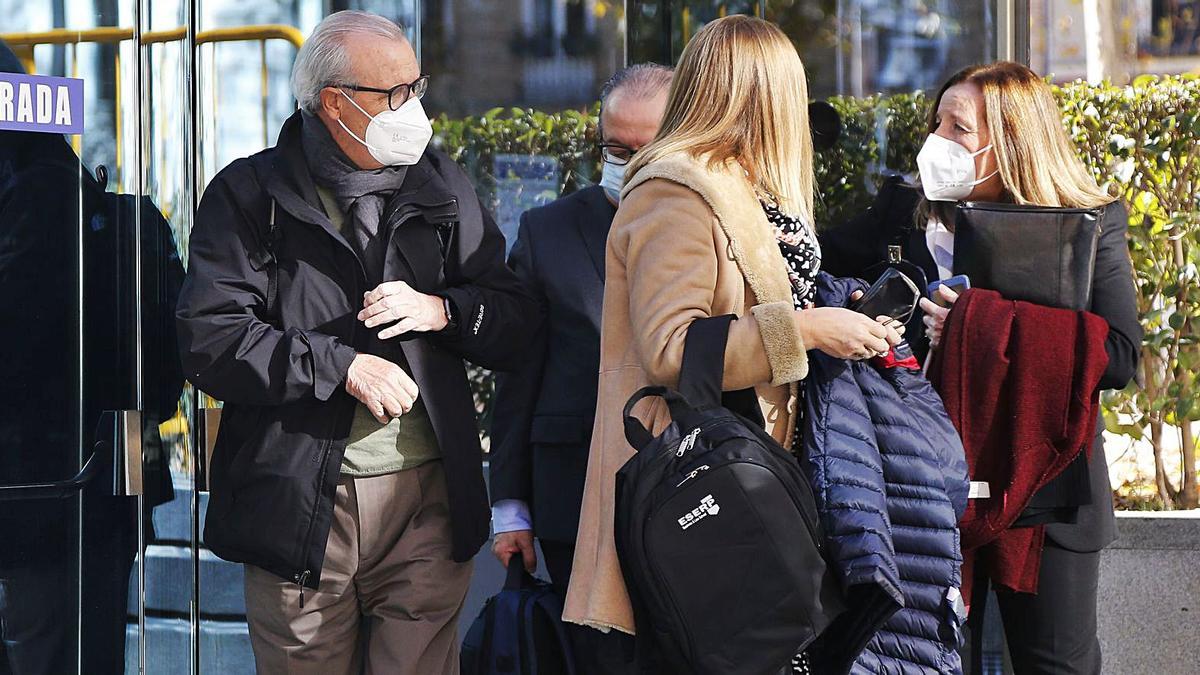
(1142, 140)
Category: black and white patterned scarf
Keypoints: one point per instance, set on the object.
(799, 246)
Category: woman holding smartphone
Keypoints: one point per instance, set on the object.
(715, 219)
(1000, 127)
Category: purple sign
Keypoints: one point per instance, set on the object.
(52, 105)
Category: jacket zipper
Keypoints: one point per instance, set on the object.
(302, 579)
(323, 452)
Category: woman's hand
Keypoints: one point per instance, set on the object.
(935, 315)
(846, 334)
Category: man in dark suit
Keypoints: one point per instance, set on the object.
(544, 412)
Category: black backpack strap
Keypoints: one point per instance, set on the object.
(703, 370)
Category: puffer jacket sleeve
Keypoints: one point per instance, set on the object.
(226, 349)
(667, 235)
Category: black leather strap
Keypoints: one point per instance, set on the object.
(703, 370)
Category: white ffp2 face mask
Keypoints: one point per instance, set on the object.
(395, 137)
(612, 179)
(948, 169)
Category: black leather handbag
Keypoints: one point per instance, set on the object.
(1039, 254)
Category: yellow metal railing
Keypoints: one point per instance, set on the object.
(24, 44)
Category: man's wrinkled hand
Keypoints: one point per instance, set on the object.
(508, 544)
(407, 310)
(382, 386)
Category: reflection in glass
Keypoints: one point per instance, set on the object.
(849, 47)
(65, 561)
(544, 54)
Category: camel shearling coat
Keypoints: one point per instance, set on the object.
(688, 242)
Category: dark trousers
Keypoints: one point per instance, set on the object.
(1053, 632)
(596, 653)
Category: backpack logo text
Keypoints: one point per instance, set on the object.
(708, 507)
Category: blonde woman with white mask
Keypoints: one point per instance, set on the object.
(715, 219)
(996, 135)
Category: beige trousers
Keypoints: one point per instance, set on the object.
(389, 596)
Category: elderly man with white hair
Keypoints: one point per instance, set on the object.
(337, 282)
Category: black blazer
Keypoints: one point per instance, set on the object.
(543, 412)
(852, 248)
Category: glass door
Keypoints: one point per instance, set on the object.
(71, 392)
(160, 114)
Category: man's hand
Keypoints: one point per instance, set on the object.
(396, 302)
(382, 386)
(508, 544)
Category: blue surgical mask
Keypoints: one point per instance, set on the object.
(612, 179)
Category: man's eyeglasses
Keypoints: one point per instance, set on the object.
(397, 95)
(616, 154)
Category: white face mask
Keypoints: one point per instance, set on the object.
(612, 179)
(948, 169)
(395, 137)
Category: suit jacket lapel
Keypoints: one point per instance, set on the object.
(594, 223)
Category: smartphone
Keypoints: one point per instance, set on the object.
(893, 295)
(957, 284)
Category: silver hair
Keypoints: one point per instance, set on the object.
(323, 59)
(641, 81)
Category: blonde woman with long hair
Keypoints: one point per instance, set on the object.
(1000, 122)
(715, 219)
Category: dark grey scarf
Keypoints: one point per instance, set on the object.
(361, 195)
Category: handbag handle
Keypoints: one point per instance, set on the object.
(516, 577)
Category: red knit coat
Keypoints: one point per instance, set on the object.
(1021, 384)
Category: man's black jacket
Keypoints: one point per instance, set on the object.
(544, 410)
(281, 369)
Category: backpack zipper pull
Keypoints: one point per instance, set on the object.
(688, 442)
(300, 581)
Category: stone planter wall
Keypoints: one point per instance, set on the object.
(1150, 595)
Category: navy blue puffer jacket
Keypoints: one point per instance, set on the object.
(890, 479)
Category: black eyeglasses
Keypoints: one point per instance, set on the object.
(397, 95)
(616, 154)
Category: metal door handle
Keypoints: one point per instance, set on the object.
(118, 447)
(207, 423)
(123, 429)
(56, 489)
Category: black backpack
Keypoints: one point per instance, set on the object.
(519, 631)
(717, 530)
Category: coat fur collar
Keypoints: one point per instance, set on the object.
(753, 247)
(727, 192)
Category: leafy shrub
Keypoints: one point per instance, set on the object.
(1142, 141)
